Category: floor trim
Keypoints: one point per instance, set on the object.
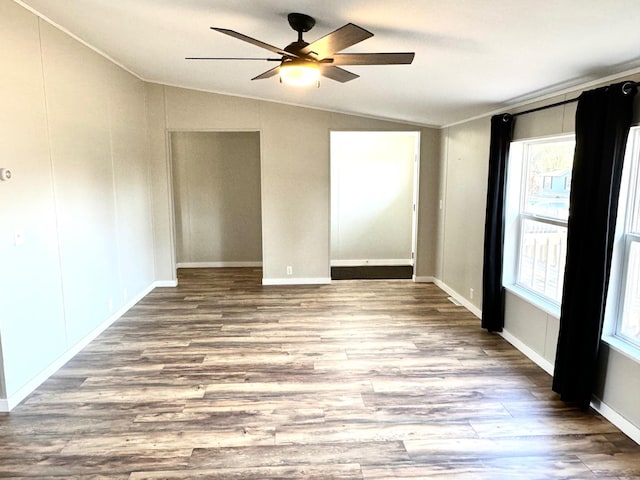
(217, 264)
(534, 356)
(297, 281)
(628, 428)
(383, 262)
(422, 279)
(463, 301)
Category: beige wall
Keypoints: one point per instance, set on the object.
(464, 164)
(74, 135)
(216, 192)
(463, 194)
(295, 176)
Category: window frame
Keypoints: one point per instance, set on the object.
(626, 236)
(515, 216)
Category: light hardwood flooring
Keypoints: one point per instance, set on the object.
(222, 378)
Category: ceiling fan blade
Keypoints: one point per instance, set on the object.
(234, 58)
(337, 40)
(338, 74)
(253, 41)
(373, 58)
(268, 74)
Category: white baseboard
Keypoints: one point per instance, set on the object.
(165, 283)
(628, 428)
(384, 262)
(217, 264)
(421, 279)
(296, 281)
(534, 356)
(8, 404)
(459, 298)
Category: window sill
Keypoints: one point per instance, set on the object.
(535, 300)
(630, 351)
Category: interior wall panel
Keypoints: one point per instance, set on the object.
(464, 203)
(76, 242)
(132, 184)
(32, 328)
(77, 100)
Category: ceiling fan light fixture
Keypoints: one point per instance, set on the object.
(299, 72)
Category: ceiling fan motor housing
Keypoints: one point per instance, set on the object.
(295, 47)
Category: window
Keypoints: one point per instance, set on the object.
(628, 247)
(537, 212)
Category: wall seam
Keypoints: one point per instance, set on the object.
(443, 199)
(116, 212)
(56, 206)
(150, 199)
(170, 193)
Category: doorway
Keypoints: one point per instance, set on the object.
(374, 183)
(217, 199)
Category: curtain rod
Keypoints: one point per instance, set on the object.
(625, 88)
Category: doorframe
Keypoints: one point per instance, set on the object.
(172, 203)
(416, 190)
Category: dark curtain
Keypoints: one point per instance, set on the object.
(603, 119)
(492, 289)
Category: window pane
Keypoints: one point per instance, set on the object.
(630, 325)
(543, 249)
(548, 178)
(635, 208)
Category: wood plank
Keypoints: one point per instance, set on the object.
(222, 377)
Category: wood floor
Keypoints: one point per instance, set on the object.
(222, 378)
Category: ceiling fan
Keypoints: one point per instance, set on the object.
(302, 63)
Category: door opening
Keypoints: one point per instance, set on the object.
(217, 199)
(374, 183)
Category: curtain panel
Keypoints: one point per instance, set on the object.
(603, 119)
(492, 289)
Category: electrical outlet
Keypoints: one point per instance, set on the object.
(471, 293)
(289, 270)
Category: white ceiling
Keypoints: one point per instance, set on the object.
(472, 56)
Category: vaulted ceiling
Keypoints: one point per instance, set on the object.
(472, 56)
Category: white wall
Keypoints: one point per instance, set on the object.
(372, 195)
(216, 191)
(74, 135)
(295, 177)
(464, 167)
